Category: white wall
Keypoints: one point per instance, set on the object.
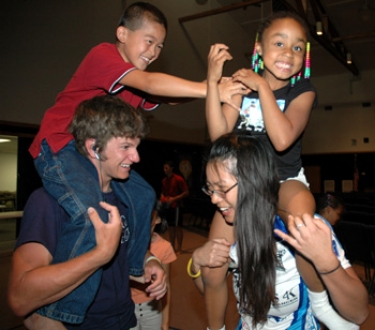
(343, 128)
(8, 172)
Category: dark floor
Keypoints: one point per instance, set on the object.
(187, 306)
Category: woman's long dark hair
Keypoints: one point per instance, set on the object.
(250, 161)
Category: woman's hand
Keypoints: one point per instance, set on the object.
(213, 254)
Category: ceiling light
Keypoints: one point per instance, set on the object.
(349, 58)
(319, 28)
(4, 140)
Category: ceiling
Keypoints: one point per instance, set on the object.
(348, 26)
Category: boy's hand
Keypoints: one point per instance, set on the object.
(154, 273)
(216, 58)
(107, 234)
(218, 55)
(229, 88)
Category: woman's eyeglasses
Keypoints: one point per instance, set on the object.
(219, 193)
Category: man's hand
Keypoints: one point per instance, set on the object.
(107, 234)
(168, 200)
(312, 237)
(154, 273)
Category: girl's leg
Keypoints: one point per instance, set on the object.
(296, 199)
(215, 279)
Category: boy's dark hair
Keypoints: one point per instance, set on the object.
(134, 16)
(105, 117)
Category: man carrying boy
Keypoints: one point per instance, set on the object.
(107, 132)
(114, 69)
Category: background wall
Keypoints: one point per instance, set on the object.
(8, 172)
(350, 117)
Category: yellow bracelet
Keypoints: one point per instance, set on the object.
(190, 273)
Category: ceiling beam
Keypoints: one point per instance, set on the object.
(355, 36)
(220, 10)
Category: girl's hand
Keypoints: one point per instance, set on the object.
(312, 237)
(216, 58)
(154, 273)
(249, 78)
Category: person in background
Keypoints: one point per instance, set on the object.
(330, 207)
(154, 314)
(107, 132)
(173, 190)
(243, 183)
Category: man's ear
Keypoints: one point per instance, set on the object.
(121, 34)
(90, 147)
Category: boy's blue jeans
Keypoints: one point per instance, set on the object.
(73, 181)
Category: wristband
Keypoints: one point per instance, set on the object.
(331, 271)
(190, 273)
(223, 328)
(152, 258)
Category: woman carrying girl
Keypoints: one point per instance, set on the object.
(277, 111)
(243, 183)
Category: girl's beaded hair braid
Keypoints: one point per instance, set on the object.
(256, 59)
